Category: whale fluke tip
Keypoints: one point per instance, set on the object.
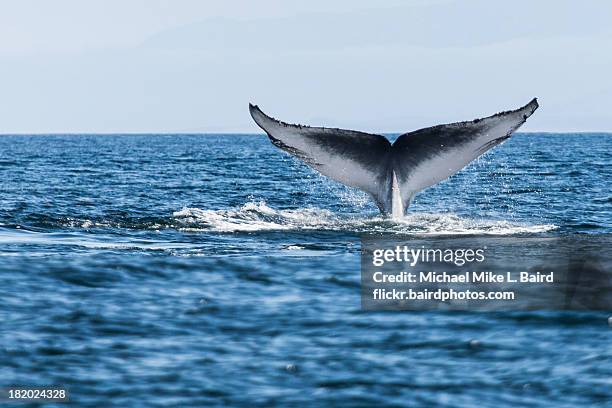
(254, 110)
(532, 106)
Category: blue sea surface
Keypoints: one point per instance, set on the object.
(204, 270)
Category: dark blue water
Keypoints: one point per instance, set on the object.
(197, 270)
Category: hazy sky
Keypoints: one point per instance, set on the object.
(394, 66)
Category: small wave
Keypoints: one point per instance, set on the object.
(254, 217)
(258, 216)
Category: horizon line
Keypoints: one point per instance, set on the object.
(251, 133)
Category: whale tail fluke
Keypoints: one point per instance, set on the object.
(393, 174)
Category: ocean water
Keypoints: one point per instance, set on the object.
(203, 270)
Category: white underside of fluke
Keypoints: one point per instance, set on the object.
(397, 207)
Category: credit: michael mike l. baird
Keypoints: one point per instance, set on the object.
(485, 273)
